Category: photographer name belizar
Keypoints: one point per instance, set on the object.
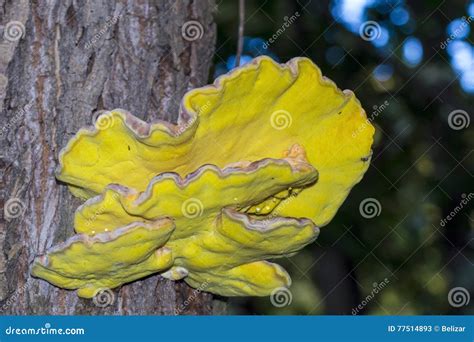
(452, 328)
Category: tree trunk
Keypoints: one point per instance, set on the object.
(68, 59)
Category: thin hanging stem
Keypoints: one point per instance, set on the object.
(240, 43)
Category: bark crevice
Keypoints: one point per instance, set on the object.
(77, 57)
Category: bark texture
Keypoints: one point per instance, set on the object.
(74, 58)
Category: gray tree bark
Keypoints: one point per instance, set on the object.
(62, 60)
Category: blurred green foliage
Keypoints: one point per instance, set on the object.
(420, 169)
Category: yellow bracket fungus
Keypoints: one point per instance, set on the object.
(108, 259)
(255, 164)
